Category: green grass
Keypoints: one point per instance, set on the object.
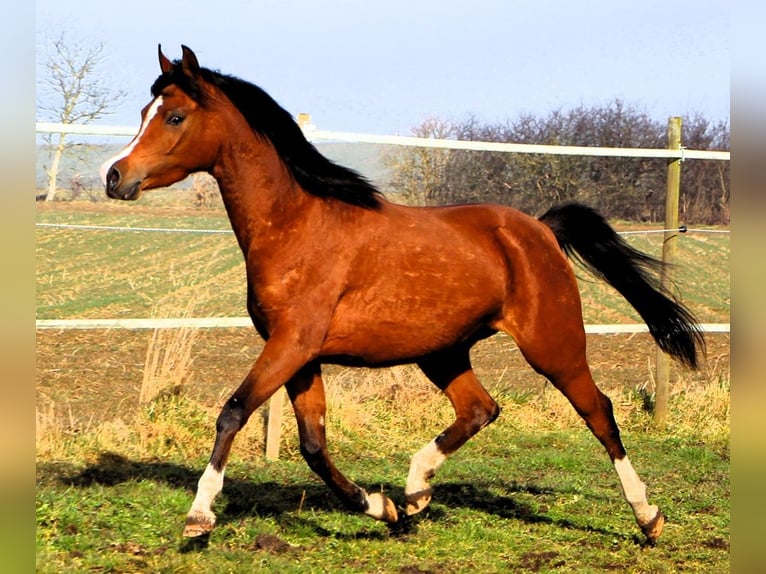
(509, 501)
(532, 492)
(700, 279)
(94, 274)
(84, 274)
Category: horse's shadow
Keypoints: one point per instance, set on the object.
(280, 501)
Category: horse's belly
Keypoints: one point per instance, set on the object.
(408, 326)
(422, 289)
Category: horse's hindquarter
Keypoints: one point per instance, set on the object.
(424, 280)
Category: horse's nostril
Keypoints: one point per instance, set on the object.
(112, 178)
(112, 181)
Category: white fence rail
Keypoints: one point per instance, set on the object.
(314, 134)
(238, 322)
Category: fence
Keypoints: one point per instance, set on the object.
(676, 154)
(679, 154)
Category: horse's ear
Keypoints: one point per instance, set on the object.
(165, 64)
(189, 62)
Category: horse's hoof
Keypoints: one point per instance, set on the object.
(417, 501)
(381, 507)
(198, 524)
(653, 528)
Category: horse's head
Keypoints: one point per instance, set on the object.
(174, 138)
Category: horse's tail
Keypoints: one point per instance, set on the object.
(585, 236)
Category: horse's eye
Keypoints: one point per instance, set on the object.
(175, 120)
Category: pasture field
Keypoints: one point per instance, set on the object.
(534, 492)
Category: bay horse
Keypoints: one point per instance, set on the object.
(338, 274)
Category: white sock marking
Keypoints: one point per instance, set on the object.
(209, 486)
(424, 464)
(634, 491)
(128, 149)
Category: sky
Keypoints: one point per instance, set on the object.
(385, 67)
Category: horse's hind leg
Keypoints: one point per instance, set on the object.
(561, 358)
(596, 409)
(306, 391)
(474, 409)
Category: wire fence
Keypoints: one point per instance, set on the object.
(245, 322)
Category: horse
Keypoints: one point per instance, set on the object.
(338, 274)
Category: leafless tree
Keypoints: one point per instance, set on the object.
(72, 90)
(418, 171)
(624, 188)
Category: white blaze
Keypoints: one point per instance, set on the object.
(126, 151)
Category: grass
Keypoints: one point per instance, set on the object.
(534, 492)
(100, 279)
(700, 278)
(513, 499)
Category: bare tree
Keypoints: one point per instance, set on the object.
(72, 90)
(418, 171)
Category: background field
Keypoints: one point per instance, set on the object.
(533, 492)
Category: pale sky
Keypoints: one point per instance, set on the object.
(384, 67)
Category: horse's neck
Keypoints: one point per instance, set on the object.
(259, 194)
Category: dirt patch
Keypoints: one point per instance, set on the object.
(535, 561)
(717, 542)
(272, 544)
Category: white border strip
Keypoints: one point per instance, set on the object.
(234, 322)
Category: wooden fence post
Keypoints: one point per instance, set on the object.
(304, 120)
(662, 375)
(274, 424)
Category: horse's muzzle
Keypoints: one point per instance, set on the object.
(115, 188)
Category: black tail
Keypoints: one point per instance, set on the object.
(586, 237)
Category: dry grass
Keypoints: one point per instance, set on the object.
(169, 358)
(371, 410)
(50, 432)
(396, 398)
(165, 419)
(702, 412)
(167, 425)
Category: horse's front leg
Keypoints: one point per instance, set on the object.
(282, 357)
(306, 391)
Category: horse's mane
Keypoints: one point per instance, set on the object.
(313, 172)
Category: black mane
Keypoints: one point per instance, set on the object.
(313, 172)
